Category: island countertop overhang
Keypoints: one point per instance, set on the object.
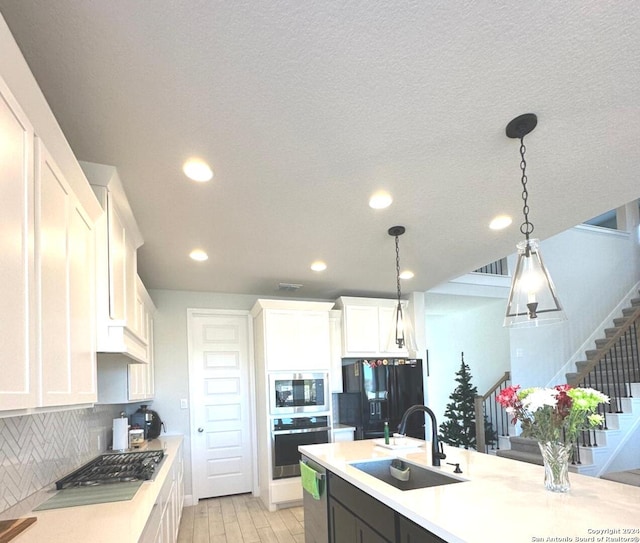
(502, 499)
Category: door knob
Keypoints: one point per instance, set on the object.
(200, 430)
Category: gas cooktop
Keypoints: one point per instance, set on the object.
(114, 468)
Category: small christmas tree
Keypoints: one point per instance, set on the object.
(459, 429)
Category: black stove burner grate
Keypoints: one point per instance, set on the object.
(114, 468)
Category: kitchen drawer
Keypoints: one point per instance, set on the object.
(377, 515)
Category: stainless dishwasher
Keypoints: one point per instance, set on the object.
(316, 514)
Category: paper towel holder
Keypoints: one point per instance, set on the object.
(120, 434)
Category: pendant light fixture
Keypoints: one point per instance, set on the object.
(532, 299)
(401, 336)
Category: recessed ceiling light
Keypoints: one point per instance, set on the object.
(318, 266)
(407, 274)
(380, 200)
(199, 255)
(500, 222)
(197, 170)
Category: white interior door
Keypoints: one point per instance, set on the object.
(222, 441)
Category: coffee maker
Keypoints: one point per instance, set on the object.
(148, 420)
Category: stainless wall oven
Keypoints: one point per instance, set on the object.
(288, 434)
(292, 393)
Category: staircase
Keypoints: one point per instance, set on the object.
(613, 368)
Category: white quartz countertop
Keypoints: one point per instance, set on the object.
(502, 499)
(121, 522)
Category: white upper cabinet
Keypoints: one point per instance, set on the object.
(47, 280)
(335, 337)
(119, 325)
(361, 330)
(18, 385)
(47, 243)
(367, 324)
(65, 272)
(120, 380)
(141, 376)
(294, 335)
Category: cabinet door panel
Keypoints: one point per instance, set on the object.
(335, 343)
(281, 339)
(82, 306)
(18, 386)
(361, 329)
(130, 279)
(117, 266)
(370, 510)
(342, 524)
(52, 249)
(364, 534)
(313, 345)
(65, 259)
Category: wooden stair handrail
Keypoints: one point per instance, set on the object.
(603, 351)
(478, 401)
(498, 384)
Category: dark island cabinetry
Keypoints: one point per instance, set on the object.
(359, 514)
(410, 532)
(356, 517)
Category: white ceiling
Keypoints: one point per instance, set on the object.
(304, 109)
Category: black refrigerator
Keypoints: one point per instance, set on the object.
(379, 390)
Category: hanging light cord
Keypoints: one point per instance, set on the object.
(399, 317)
(398, 269)
(526, 227)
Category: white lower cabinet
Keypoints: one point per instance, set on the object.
(342, 434)
(164, 521)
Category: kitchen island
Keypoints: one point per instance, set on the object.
(500, 499)
(156, 506)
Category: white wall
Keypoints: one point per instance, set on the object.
(593, 269)
(477, 332)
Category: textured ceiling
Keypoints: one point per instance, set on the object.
(304, 109)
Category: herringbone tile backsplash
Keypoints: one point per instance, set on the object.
(37, 450)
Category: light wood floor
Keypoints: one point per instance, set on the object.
(240, 519)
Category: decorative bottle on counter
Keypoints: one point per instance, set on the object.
(386, 433)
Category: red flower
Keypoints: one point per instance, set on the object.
(563, 388)
(508, 397)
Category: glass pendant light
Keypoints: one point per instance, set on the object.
(532, 299)
(401, 335)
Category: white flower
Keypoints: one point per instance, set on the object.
(539, 398)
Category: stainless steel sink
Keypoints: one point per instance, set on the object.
(417, 476)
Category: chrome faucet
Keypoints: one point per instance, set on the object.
(437, 453)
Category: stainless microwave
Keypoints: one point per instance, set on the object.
(298, 393)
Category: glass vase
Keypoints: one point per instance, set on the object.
(556, 465)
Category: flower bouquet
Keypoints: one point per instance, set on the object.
(554, 417)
